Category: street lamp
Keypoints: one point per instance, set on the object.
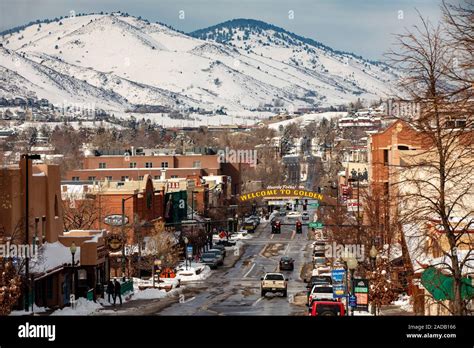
(352, 265)
(73, 249)
(186, 240)
(373, 256)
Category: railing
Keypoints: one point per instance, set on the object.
(126, 286)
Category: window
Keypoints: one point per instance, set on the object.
(403, 147)
(174, 176)
(148, 165)
(56, 206)
(197, 164)
(385, 157)
(140, 177)
(156, 177)
(124, 178)
(109, 178)
(75, 178)
(102, 165)
(91, 178)
(164, 164)
(133, 164)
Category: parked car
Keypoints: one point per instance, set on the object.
(219, 255)
(320, 292)
(293, 215)
(274, 282)
(282, 212)
(226, 243)
(327, 308)
(210, 259)
(287, 263)
(317, 280)
(254, 218)
(221, 248)
(305, 216)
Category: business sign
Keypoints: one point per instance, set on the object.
(353, 205)
(361, 291)
(115, 220)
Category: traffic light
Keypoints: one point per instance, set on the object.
(276, 227)
(230, 225)
(236, 222)
(254, 208)
(208, 226)
(296, 201)
(305, 205)
(299, 227)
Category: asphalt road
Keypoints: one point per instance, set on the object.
(234, 289)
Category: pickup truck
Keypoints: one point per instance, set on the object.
(274, 282)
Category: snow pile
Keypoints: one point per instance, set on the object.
(82, 307)
(196, 272)
(404, 301)
(36, 309)
(149, 294)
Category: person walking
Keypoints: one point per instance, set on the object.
(110, 291)
(117, 288)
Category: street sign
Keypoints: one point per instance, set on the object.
(361, 291)
(222, 235)
(352, 301)
(338, 275)
(316, 225)
(189, 251)
(338, 290)
(314, 205)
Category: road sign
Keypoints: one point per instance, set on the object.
(338, 275)
(314, 205)
(316, 225)
(189, 251)
(352, 301)
(338, 290)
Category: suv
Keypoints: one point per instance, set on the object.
(220, 247)
(320, 292)
(210, 260)
(274, 282)
(326, 308)
(318, 280)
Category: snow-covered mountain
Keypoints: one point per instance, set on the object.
(120, 62)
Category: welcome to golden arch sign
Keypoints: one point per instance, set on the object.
(281, 193)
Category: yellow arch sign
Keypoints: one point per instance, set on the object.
(280, 193)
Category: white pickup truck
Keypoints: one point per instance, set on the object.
(274, 282)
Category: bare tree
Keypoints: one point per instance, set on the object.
(435, 183)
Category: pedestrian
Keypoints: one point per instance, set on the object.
(117, 288)
(110, 290)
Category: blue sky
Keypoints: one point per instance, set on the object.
(364, 27)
